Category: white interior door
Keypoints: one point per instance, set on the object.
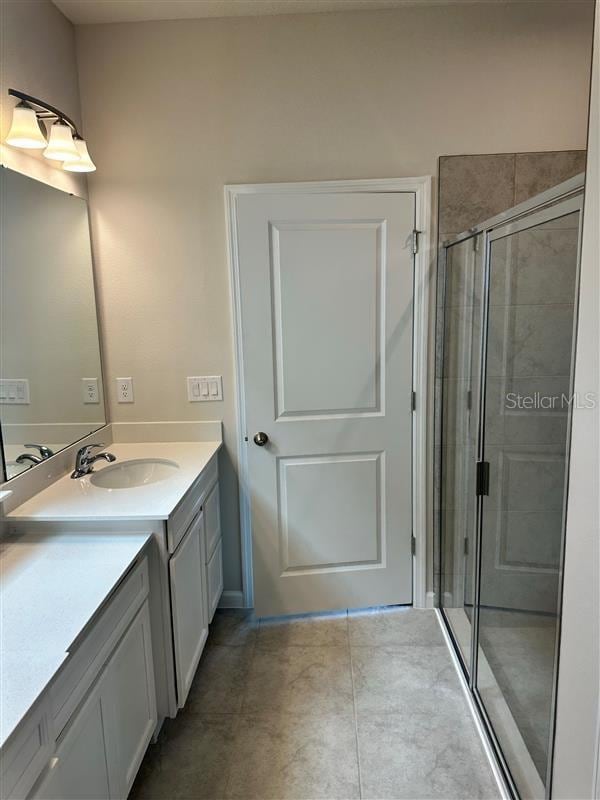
(326, 293)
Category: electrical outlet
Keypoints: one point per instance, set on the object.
(125, 390)
(204, 388)
(89, 387)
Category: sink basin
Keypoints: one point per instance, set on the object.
(137, 472)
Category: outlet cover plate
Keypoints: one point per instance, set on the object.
(125, 390)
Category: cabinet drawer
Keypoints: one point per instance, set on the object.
(214, 576)
(183, 516)
(23, 759)
(91, 653)
(212, 520)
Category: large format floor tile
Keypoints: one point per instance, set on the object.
(306, 631)
(190, 760)
(299, 680)
(286, 756)
(394, 626)
(233, 627)
(413, 756)
(363, 705)
(221, 680)
(407, 678)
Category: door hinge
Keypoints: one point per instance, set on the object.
(415, 241)
(469, 399)
(413, 401)
(482, 484)
(413, 545)
(466, 547)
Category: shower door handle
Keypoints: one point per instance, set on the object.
(482, 482)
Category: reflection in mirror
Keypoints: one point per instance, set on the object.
(51, 390)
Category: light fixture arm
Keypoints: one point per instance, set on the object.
(47, 111)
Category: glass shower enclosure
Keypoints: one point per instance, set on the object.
(507, 311)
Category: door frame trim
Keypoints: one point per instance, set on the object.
(422, 428)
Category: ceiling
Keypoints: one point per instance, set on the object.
(83, 12)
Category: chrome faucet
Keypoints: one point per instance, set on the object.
(24, 457)
(84, 460)
(45, 453)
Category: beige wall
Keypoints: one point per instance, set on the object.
(37, 56)
(175, 110)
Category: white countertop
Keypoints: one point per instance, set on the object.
(80, 501)
(50, 588)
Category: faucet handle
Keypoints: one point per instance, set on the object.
(84, 452)
(44, 451)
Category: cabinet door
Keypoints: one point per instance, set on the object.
(214, 577)
(188, 599)
(130, 704)
(79, 770)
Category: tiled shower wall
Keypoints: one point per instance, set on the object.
(473, 188)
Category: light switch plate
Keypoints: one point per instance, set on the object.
(89, 388)
(204, 388)
(125, 390)
(14, 391)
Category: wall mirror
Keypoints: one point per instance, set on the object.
(51, 391)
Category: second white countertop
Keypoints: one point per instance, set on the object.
(80, 501)
(50, 588)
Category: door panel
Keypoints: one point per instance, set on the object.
(310, 262)
(326, 304)
(340, 525)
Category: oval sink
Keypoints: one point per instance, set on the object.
(137, 472)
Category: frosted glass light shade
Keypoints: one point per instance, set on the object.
(25, 129)
(85, 163)
(61, 146)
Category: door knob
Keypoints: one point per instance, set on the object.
(261, 439)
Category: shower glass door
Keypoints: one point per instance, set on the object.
(458, 379)
(531, 314)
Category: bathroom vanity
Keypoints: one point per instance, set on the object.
(169, 492)
(110, 578)
(78, 695)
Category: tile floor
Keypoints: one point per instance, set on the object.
(366, 705)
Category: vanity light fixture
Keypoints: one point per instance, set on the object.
(84, 163)
(64, 144)
(26, 130)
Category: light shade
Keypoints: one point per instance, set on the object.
(25, 130)
(61, 146)
(85, 163)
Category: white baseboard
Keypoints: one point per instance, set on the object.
(231, 599)
(430, 600)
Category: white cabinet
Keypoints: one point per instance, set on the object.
(100, 750)
(188, 598)
(214, 579)
(212, 516)
(79, 771)
(214, 550)
(130, 713)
